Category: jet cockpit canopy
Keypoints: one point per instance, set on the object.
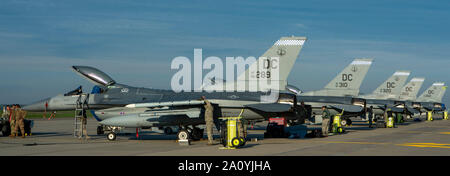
(94, 75)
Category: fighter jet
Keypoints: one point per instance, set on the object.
(431, 99)
(117, 105)
(386, 95)
(408, 96)
(337, 94)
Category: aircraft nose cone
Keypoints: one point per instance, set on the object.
(38, 106)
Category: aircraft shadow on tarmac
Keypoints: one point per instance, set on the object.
(50, 134)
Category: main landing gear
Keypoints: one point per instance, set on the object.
(187, 133)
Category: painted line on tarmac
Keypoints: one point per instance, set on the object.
(426, 145)
(343, 142)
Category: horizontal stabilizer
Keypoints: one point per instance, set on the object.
(346, 108)
(270, 107)
(412, 110)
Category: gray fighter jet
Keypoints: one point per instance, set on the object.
(117, 105)
(408, 96)
(431, 99)
(337, 94)
(386, 95)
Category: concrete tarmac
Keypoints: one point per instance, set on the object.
(54, 138)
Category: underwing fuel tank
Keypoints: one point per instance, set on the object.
(156, 118)
(118, 111)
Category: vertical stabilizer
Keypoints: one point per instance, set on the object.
(409, 91)
(434, 93)
(346, 83)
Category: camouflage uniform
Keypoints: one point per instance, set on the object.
(12, 122)
(20, 116)
(242, 127)
(209, 120)
(370, 110)
(325, 122)
(83, 131)
(5, 113)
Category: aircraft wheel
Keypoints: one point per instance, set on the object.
(197, 134)
(111, 136)
(183, 135)
(5, 130)
(168, 130)
(100, 130)
(236, 142)
(317, 133)
(349, 122)
(344, 122)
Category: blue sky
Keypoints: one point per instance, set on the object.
(135, 41)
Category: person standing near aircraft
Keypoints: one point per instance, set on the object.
(84, 125)
(6, 112)
(370, 112)
(20, 116)
(325, 121)
(12, 121)
(209, 120)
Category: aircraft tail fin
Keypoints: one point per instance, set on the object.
(349, 80)
(393, 85)
(286, 49)
(434, 93)
(410, 90)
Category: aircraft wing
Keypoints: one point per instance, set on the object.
(168, 103)
(270, 107)
(412, 110)
(347, 108)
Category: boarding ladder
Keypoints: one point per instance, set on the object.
(80, 106)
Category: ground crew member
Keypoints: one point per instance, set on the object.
(6, 112)
(242, 127)
(325, 121)
(370, 116)
(20, 116)
(209, 120)
(303, 112)
(12, 121)
(83, 131)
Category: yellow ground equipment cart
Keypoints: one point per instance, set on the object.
(390, 122)
(230, 133)
(430, 116)
(336, 126)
